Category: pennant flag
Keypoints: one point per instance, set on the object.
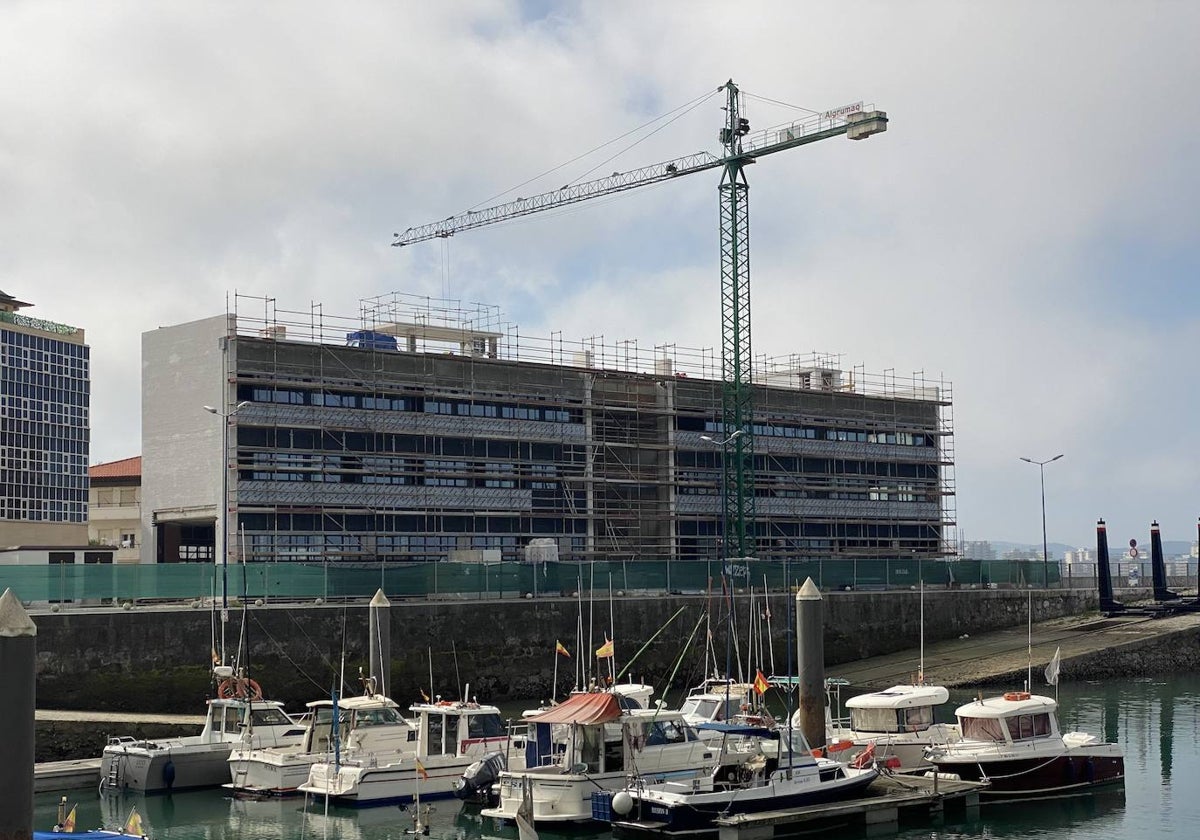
(421, 771)
(133, 825)
(68, 825)
(424, 696)
(560, 649)
(760, 683)
(525, 829)
(605, 651)
(1053, 668)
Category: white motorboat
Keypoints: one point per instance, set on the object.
(238, 715)
(1014, 744)
(597, 746)
(784, 774)
(367, 725)
(448, 738)
(900, 721)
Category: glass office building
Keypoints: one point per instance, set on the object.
(44, 428)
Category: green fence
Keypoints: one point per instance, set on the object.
(106, 583)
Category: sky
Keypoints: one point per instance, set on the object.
(1024, 230)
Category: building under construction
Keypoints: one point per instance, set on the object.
(426, 430)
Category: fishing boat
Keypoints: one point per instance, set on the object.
(1013, 743)
(238, 715)
(447, 737)
(783, 774)
(588, 743)
(899, 721)
(367, 725)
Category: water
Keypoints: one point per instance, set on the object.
(1157, 721)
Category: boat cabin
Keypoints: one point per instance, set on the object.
(447, 728)
(1014, 717)
(229, 720)
(902, 708)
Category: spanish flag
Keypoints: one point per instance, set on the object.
(421, 771)
(605, 651)
(561, 649)
(68, 825)
(133, 825)
(760, 683)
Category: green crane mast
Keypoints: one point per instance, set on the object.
(740, 149)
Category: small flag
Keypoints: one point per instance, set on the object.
(216, 660)
(760, 683)
(421, 771)
(133, 825)
(68, 825)
(424, 696)
(525, 829)
(605, 651)
(1053, 668)
(561, 649)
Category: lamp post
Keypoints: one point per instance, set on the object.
(1041, 465)
(223, 518)
(722, 444)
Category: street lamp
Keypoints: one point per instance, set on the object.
(1041, 465)
(223, 518)
(722, 444)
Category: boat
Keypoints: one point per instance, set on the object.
(369, 724)
(596, 746)
(447, 737)
(899, 721)
(784, 774)
(238, 715)
(1013, 743)
(716, 700)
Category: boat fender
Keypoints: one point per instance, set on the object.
(1016, 695)
(168, 774)
(445, 703)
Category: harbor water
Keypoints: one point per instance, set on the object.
(1157, 721)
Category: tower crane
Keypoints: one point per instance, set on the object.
(740, 150)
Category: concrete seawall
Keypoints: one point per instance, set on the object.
(157, 659)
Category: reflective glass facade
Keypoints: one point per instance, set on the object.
(44, 423)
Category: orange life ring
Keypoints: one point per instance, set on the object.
(239, 688)
(838, 746)
(445, 703)
(1016, 695)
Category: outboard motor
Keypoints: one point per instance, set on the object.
(476, 782)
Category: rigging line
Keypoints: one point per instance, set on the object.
(692, 104)
(777, 102)
(283, 652)
(637, 142)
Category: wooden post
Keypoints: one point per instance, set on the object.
(18, 649)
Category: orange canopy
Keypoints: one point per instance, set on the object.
(597, 707)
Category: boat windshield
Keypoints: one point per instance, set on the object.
(488, 725)
(982, 729)
(915, 719)
(268, 716)
(1021, 727)
(377, 717)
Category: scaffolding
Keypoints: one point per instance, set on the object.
(599, 444)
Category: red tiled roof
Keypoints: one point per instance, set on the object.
(125, 468)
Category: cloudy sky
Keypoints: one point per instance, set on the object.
(1023, 230)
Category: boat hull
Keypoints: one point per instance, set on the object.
(1038, 776)
(165, 770)
(694, 815)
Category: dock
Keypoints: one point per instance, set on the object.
(915, 799)
(66, 775)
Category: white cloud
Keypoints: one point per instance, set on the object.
(154, 159)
